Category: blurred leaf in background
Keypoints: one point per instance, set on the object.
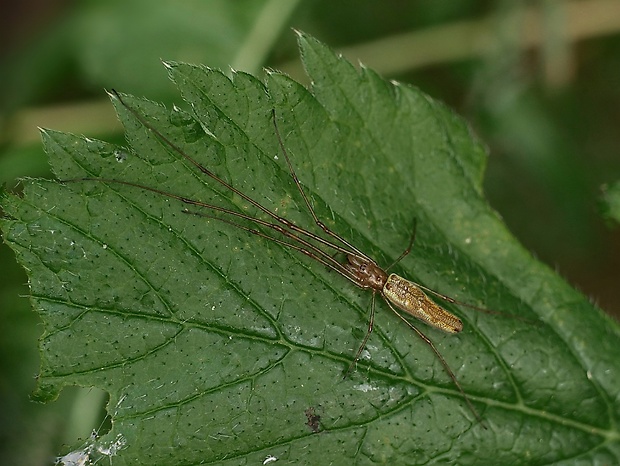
(611, 202)
(540, 85)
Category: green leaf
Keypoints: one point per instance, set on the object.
(611, 202)
(217, 346)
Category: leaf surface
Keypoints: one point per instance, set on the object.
(215, 345)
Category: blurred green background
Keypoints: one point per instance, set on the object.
(539, 81)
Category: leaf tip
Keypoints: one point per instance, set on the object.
(113, 94)
(169, 65)
(45, 392)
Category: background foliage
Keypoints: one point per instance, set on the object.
(539, 85)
